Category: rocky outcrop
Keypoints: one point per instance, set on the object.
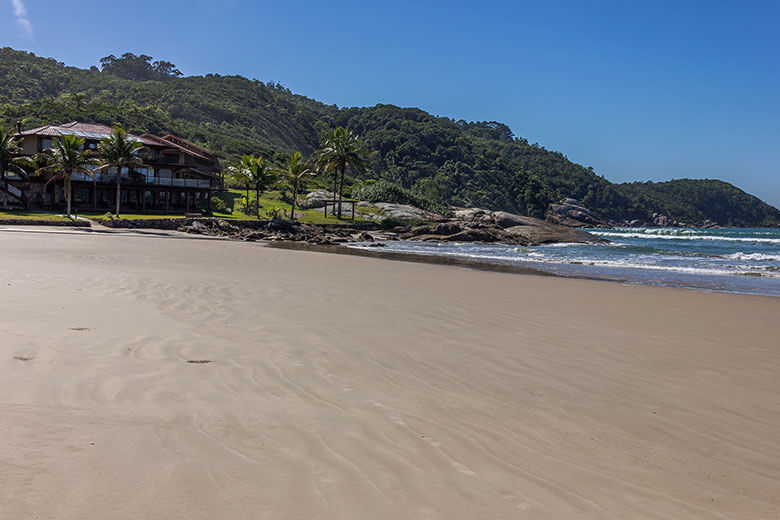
(282, 230)
(405, 212)
(467, 225)
(316, 199)
(479, 225)
(663, 220)
(569, 212)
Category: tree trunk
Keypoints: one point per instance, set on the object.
(67, 195)
(335, 189)
(257, 202)
(341, 189)
(118, 189)
(292, 210)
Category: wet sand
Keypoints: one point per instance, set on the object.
(145, 376)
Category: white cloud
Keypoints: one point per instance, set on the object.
(20, 11)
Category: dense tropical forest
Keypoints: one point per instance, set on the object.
(436, 158)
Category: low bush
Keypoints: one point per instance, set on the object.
(220, 206)
(386, 191)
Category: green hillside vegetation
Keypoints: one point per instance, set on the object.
(434, 159)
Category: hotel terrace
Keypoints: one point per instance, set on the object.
(178, 176)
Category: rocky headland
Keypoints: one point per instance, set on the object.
(465, 225)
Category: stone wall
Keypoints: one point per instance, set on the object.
(175, 223)
(38, 222)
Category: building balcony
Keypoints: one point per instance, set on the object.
(148, 180)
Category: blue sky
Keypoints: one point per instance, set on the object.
(637, 90)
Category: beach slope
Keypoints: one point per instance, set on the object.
(153, 377)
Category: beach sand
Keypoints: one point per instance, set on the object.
(152, 377)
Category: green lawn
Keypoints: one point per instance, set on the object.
(32, 215)
(130, 216)
(271, 199)
(268, 201)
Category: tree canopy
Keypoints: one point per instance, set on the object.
(138, 68)
(459, 162)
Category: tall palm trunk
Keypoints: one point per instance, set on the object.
(292, 210)
(335, 190)
(341, 188)
(67, 194)
(118, 189)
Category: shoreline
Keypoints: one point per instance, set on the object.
(400, 256)
(492, 266)
(486, 265)
(227, 379)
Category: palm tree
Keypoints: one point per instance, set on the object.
(9, 154)
(118, 151)
(297, 176)
(66, 158)
(254, 172)
(341, 149)
(240, 174)
(262, 177)
(79, 100)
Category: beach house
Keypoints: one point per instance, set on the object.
(178, 176)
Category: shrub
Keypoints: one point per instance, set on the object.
(390, 223)
(385, 191)
(220, 206)
(249, 207)
(273, 213)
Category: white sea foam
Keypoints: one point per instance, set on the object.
(638, 264)
(611, 234)
(754, 256)
(641, 263)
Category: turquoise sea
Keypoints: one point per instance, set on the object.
(720, 259)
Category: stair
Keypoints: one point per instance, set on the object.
(11, 196)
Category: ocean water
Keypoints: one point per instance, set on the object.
(720, 259)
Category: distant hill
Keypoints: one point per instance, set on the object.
(463, 163)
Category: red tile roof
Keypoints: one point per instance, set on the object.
(88, 130)
(187, 144)
(164, 141)
(95, 131)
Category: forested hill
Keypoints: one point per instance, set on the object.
(463, 163)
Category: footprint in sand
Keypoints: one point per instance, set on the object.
(24, 358)
(79, 329)
(463, 469)
(200, 361)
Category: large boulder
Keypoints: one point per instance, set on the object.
(663, 220)
(316, 199)
(569, 212)
(448, 228)
(405, 212)
(505, 220)
(468, 214)
(543, 232)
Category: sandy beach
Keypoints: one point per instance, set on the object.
(146, 376)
